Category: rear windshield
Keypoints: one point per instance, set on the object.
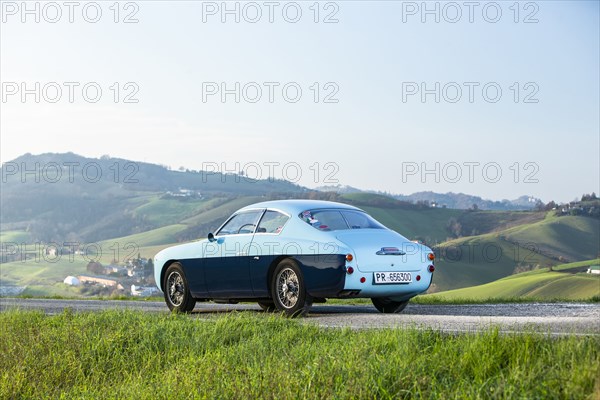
(337, 220)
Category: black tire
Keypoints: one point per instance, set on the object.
(288, 289)
(177, 290)
(267, 306)
(388, 306)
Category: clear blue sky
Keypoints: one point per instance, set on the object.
(373, 56)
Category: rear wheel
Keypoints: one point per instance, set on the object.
(267, 306)
(288, 289)
(388, 306)
(177, 290)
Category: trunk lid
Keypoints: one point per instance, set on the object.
(378, 250)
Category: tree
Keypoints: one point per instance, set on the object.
(454, 227)
(149, 265)
(95, 267)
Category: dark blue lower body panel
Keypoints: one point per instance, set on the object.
(249, 277)
(324, 275)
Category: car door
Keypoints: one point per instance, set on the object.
(266, 246)
(226, 259)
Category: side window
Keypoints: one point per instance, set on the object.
(272, 222)
(241, 223)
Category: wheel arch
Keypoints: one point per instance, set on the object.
(166, 266)
(272, 267)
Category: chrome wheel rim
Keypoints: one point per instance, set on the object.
(175, 288)
(288, 288)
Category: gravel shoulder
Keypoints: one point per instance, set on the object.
(550, 318)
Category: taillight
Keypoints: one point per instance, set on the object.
(349, 257)
(350, 270)
(431, 268)
(431, 256)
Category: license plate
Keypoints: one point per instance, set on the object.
(383, 278)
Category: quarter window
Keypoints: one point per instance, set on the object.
(244, 222)
(272, 222)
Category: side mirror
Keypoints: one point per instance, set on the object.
(211, 237)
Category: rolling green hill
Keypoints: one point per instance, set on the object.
(42, 278)
(427, 225)
(165, 235)
(484, 258)
(567, 281)
(15, 237)
(160, 211)
(571, 237)
(94, 199)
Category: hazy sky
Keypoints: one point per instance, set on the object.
(496, 99)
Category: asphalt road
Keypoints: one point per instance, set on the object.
(550, 318)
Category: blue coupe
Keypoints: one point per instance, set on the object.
(287, 254)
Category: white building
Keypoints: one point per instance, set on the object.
(72, 281)
(594, 269)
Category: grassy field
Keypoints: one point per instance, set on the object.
(187, 214)
(481, 259)
(137, 355)
(428, 225)
(221, 210)
(32, 272)
(166, 211)
(154, 237)
(475, 260)
(14, 237)
(572, 237)
(42, 278)
(563, 282)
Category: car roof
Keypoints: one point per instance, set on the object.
(298, 205)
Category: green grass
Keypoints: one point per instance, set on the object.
(428, 225)
(574, 238)
(44, 279)
(14, 237)
(42, 273)
(488, 257)
(155, 237)
(168, 211)
(221, 209)
(481, 259)
(136, 355)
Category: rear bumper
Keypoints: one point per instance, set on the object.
(400, 290)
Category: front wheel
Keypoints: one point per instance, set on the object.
(388, 306)
(288, 289)
(177, 290)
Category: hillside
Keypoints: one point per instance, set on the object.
(58, 197)
(459, 201)
(475, 260)
(567, 281)
(197, 225)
